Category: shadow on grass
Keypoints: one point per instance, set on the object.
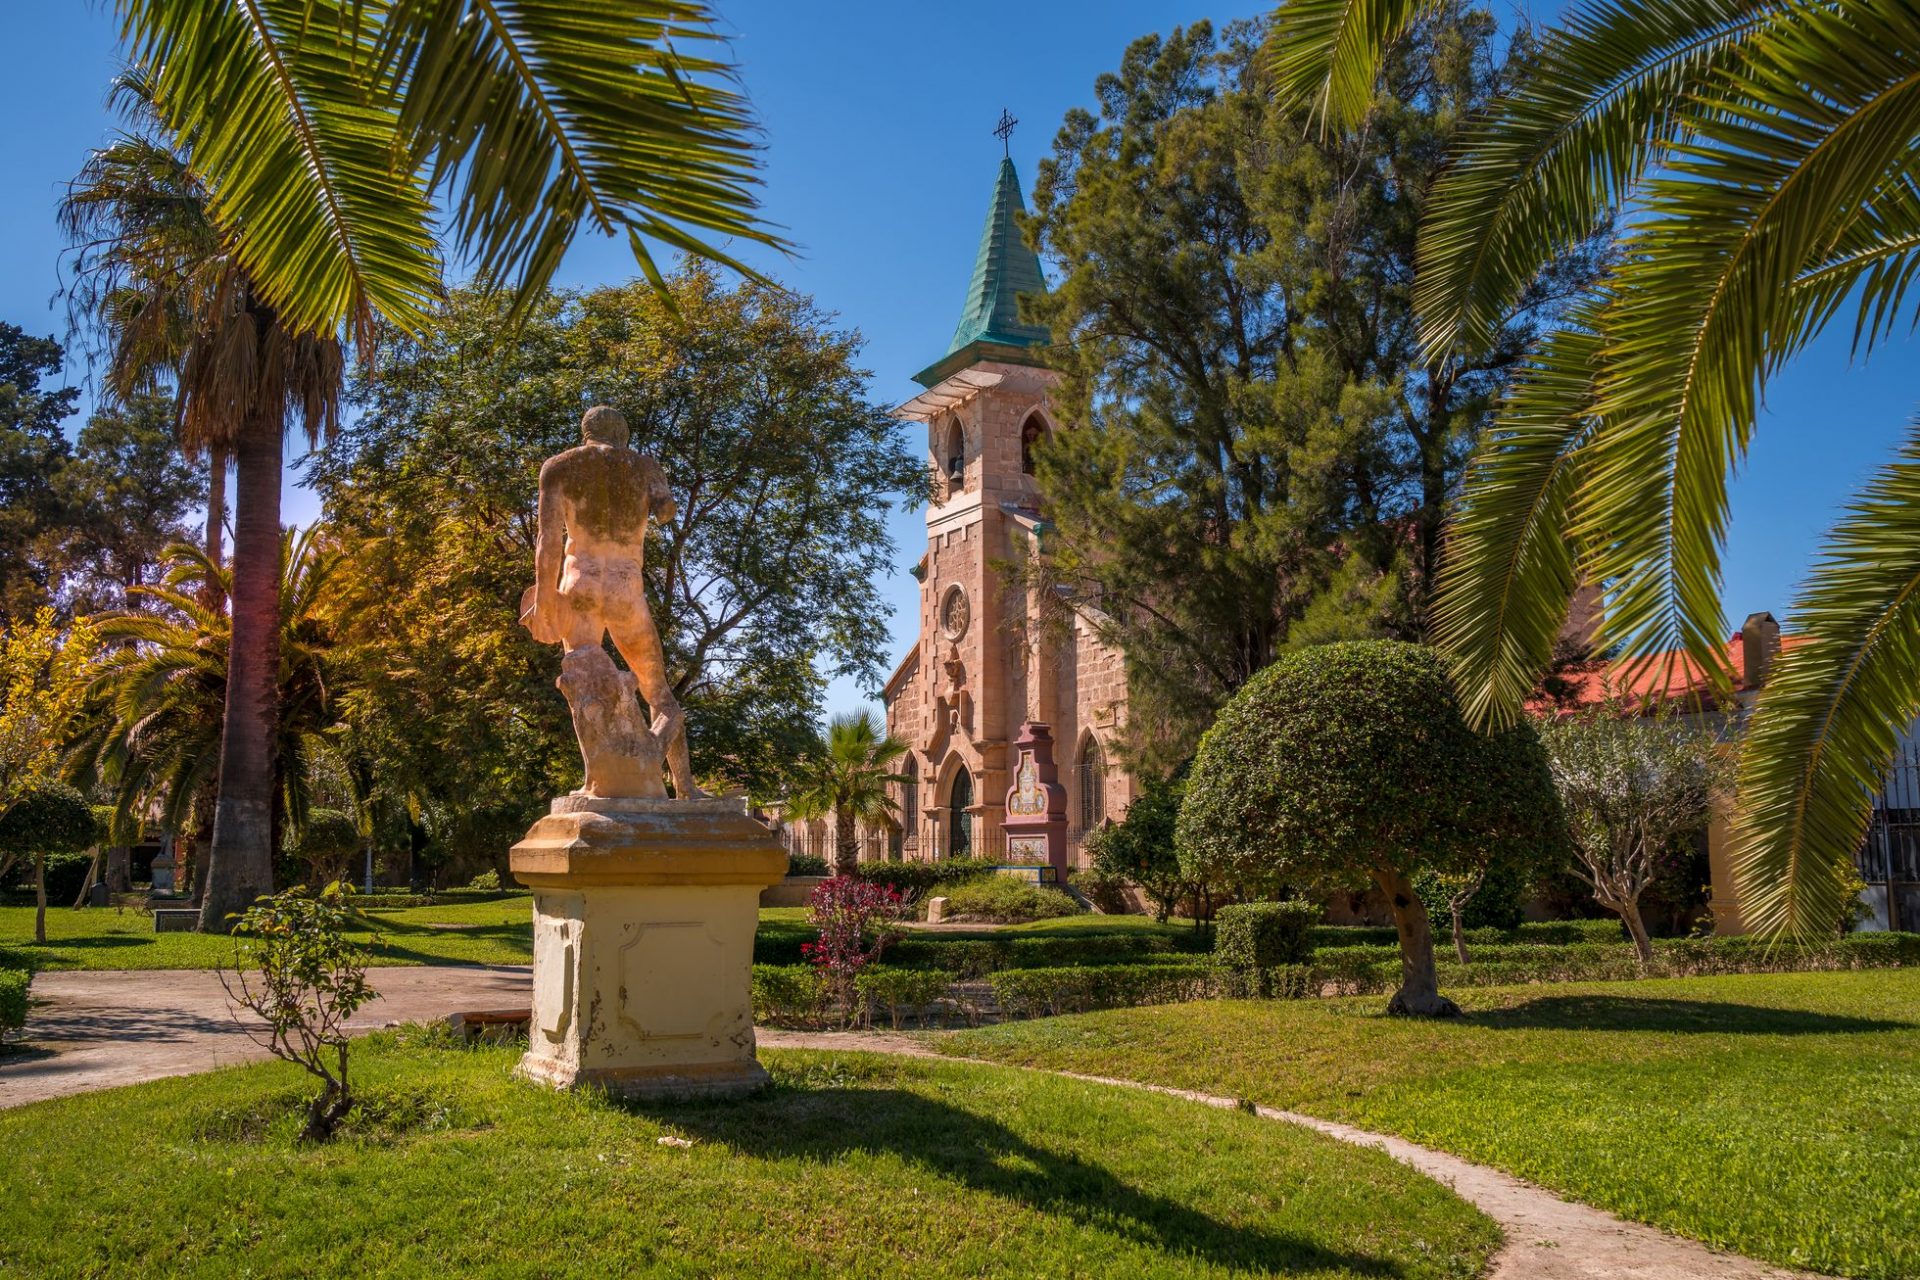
(1646, 1013)
(789, 1122)
(90, 941)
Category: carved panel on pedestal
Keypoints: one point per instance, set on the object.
(671, 979)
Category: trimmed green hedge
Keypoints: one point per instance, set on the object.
(1261, 935)
(904, 995)
(977, 957)
(1006, 900)
(1557, 932)
(1033, 993)
(1373, 970)
(13, 998)
(792, 995)
(393, 899)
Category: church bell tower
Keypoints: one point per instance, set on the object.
(980, 681)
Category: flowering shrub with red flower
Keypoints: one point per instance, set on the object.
(855, 921)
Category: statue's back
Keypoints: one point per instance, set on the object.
(610, 491)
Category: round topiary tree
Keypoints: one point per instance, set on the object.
(1348, 763)
(324, 843)
(47, 819)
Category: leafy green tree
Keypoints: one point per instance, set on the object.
(323, 844)
(45, 672)
(1348, 763)
(1140, 847)
(127, 491)
(1264, 452)
(46, 819)
(1631, 784)
(32, 453)
(1765, 149)
(783, 470)
(848, 778)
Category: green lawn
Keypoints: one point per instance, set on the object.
(497, 932)
(1777, 1115)
(852, 1165)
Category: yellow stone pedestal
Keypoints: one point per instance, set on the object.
(644, 913)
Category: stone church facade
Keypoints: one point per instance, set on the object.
(984, 667)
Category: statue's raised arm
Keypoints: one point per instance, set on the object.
(589, 557)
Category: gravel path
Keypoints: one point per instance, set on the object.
(97, 1029)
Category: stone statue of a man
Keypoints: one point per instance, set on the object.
(595, 500)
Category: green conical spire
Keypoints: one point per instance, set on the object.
(1004, 269)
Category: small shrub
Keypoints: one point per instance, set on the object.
(1103, 888)
(298, 973)
(914, 880)
(806, 864)
(1261, 935)
(790, 995)
(1140, 847)
(13, 998)
(855, 921)
(903, 994)
(324, 845)
(485, 882)
(1262, 947)
(1006, 900)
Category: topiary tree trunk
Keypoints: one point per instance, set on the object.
(1419, 993)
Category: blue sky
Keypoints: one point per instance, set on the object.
(880, 158)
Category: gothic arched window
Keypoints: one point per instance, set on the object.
(959, 821)
(910, 798)
(1029, 437)
(1093, 785)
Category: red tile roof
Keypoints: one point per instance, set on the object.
(1643, 681)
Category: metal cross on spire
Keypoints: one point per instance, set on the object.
(1004, 131)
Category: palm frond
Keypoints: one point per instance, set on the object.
(1549, 161)
(1706, 305)
(1325, 55)
(1508, 567)
(297, 141)
(1831, 718)
(550, 116)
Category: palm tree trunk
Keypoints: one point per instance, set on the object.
(216, 517)
(240, 864)
(119, 869)
(846, 852)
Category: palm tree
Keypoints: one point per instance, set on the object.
(1759, 156)
(849, 780)
(309, 143)
(156, 707)
(180, 309)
